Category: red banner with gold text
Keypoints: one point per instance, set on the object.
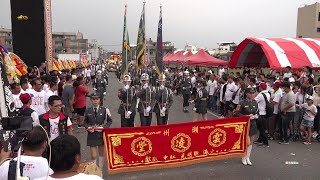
(140, 148)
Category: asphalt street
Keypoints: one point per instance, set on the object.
(275, 162)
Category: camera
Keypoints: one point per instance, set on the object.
(14, 130)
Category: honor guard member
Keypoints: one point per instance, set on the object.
(127, 108)
(164, 100)
(201, 104)
(146, 100)
(249, 107)
(186, 90)
(100, 86)
(96, 118)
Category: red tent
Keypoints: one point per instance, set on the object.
(188, 54)
(277, 53)
(166, 58)
(176, 58)
(201, 58)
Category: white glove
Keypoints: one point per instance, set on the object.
(90, 129)
(194, 109)
(94, 89)
(126, 87)
(129, 112)
(162, 87)
(104, 93)
(145, 86)
(164, 109)
(100, 129)
(148, 109)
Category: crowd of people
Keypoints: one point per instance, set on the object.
(281, 105)
(288, 101)
(56, 102)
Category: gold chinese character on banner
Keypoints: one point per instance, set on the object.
(205, 152)
(195, 153)
(217, 137)
(182, 156)
(172, 157)
(154, 159)
(147, 159)
(166, 132)
(181, 142)
(195, 129)
(141, 146)
(189, 155)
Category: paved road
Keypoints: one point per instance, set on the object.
(269, 163)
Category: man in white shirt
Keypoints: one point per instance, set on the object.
(287, 73)
(16, 91)
(212, 86)
(24, 86)
(35, 166)
(262, 120)
(53, 87)
(231, 88)
(275, 99)
(221, 71)
(66, 149)
(38, 97)
(54, 121)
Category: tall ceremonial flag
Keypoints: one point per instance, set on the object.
(125, 46)
(159, 51)
(141, 41)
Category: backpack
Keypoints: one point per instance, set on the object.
(269, 106)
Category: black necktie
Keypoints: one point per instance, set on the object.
(95, 112)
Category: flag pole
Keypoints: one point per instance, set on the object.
(127, 44)
(145, 38)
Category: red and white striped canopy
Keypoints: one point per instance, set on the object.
(277, 53)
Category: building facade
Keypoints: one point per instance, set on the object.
(6, 38)
(62, 42)
(151, 47)
(69, 42)
(308, 23)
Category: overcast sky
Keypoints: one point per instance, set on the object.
(199, 22)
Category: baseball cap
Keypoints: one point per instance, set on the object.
(277, 84)
(25, 98)
(74, 77)
(263, 85)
